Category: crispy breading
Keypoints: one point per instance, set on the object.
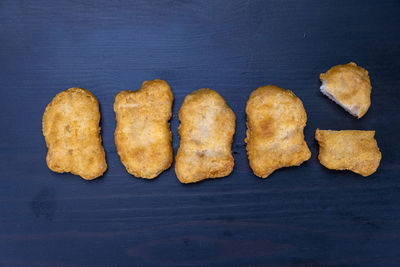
(349, 86)
(143, 136)
(352, 150)
(72, 133)
(275, 122)
(206, 134)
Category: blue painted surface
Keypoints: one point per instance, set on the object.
(303, 216)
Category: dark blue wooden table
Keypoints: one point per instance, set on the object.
(301, 216)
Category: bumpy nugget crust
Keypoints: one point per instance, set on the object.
(275, 122)
(72, 133)
(206, 132)
(350, 86)
(352, 150)
(143, 136)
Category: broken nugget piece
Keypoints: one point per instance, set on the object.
(352, 150)
(143, 136)
(206, 133)
(349, 86)
(72, 133)
(275, 122)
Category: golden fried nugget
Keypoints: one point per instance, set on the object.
(72, 133)
(352, 150)
(275, 122)
(349, 86)
(143, 136)
(206, 132)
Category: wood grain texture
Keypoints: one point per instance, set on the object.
(301, 216)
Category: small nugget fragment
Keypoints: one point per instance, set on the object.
(143, 136)
(352, 150)
(72, 133)
(275, 122)
(206, 132)
(349, 86)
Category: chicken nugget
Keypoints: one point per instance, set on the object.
(275, 122)
(143, 136)
(352, 150)
(349, 86)
(72, 133)
(206, 132)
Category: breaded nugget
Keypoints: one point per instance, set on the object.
(349, 86)
(352, 150)
(206, 132)
(72, 133)
(275, 122)
(143, 136)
